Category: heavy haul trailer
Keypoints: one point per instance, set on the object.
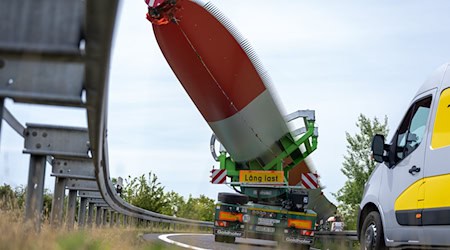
(224, 78)
(254, 220)
(267, 206)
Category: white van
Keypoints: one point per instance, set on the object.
(406, 201)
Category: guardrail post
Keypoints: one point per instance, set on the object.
(82, 212)
(58, 202)
(71, 207)
(104, 216)
(125, 220)
(132, 222)
(111, 218)
(35, 190)
(117, 219)
(90, 219)
(98, 216)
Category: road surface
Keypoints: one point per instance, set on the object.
(206, 241)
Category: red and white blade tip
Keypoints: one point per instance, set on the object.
(154, 3)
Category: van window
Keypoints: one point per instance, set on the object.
(411, 131)
(441, 130)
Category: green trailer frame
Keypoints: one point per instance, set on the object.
(295, 149)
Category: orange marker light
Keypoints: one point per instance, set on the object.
(302, 224)
(227, 216)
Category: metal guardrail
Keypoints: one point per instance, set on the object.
(58, 67)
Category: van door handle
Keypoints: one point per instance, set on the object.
(414, 170)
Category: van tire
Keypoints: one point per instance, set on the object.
(372, 235)
(232, 198)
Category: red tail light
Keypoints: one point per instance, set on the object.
(220, 223)
(307, 233)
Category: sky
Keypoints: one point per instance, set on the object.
(339, 58)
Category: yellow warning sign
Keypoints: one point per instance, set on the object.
(255, 176)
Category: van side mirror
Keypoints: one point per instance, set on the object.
(378, 148)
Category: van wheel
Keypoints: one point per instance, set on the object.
(372, 236)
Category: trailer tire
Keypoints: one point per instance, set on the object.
(232, 198)
(372, 235)
(225, 239)
(305, 247)
(230, 239)
(293, 246)
(218, 238)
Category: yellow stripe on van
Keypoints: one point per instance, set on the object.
(441, 131)
(411, 198)
(430, 192)
(437, 191)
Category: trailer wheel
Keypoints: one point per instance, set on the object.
(305, 247)
(218, 238)
(223, 238)
(372, 236)
(230, 239)
(293, 246)
(232, 198)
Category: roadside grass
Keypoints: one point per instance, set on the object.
(16, 234)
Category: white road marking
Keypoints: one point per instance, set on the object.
(165, 238)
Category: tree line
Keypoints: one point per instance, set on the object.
(357, 166)
(144, 191)
(147, 192)
(13, 198)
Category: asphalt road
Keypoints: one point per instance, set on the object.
(206, 241)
